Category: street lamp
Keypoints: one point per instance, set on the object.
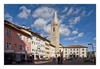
(93, 52)
(92, 47)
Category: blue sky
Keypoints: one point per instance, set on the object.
(77, 21)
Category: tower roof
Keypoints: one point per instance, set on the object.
(55, 21)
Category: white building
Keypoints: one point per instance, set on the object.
(75, 51)
(52, 50)
(47, 49)
(37, 46)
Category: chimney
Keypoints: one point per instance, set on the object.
(29, 29)
(38, 33)
(23, 26)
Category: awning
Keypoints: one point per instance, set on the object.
(20, 52)
(9, 51)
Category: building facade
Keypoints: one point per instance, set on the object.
(52, 51)
(15, 41)
(37, 45)
(77, 51)
(47, 49)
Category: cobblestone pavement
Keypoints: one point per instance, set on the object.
(65, 62)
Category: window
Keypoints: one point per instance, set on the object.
(27, 39)
(74, 49)
(20, 37)
(37, 43)
(8, 32)
(70, 52)
(77, 52)
(32, 42)
(53, 28)
(27, 48)
(82, 56)
(21, 47)
(65, 55)
(82, 52)
(65, 52)
(70, 49)
(8, 45)
(33, 49)
(77, 49)
(66, 49)
(59, 50)
(82, 49)
(38, 39)
(42, 45)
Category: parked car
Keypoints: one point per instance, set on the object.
(86, 59)
(70, 58)
(91, 60)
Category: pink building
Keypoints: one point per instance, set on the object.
(16, 40)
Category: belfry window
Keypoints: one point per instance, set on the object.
(53, 28)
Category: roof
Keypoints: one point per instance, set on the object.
(52, 45)
(38, 35)
(75, 46)
(15, 26)
(27, 29)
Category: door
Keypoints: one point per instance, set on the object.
(17, 57)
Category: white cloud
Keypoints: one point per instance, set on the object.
(70, 26)
(80, 34)
(44, 34)
(75, 41)
(43, 12)
(44, 15)
(76, 11)
(70, 11)
(94, 39)
(39, 23)
(75, 32)
(71, 38)
(47, 28)
(65, 9)
(74, 20)
(24, 12)
(89, 12)
(61, 19)
(83, 13)
(75, 37)
(64, 30)
(8, 17)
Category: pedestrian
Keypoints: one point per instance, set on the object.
(58, 59)
(61, 59)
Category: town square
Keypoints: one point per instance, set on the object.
(50, 34)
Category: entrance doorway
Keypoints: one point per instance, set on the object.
(18, 57)
(77, 56)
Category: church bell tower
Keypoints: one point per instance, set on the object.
(55, 33)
